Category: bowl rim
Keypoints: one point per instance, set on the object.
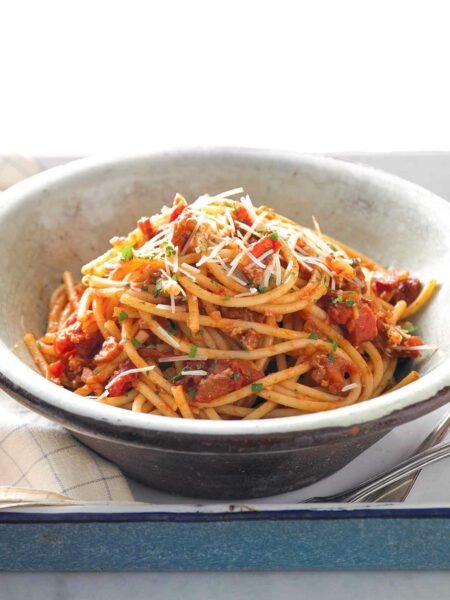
(19, 378)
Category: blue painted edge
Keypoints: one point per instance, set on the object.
(262, 544)
(388, 512)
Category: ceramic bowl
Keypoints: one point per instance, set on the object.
(60, 219)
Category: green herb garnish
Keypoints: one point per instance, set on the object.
(191, 393)
(127, 253)
(158, 288)
(122, 316)
(136, 343)
(193, 352)
(274, 236)
(256, 387)
(144, 287)
(313, 336)
(349, 302)
(234, 376)
(331, 358)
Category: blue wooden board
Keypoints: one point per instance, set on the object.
(384, 538)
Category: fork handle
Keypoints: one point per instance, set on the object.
(361, 492)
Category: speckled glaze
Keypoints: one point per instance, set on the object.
(62, 218)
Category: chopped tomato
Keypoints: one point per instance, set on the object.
(264, 245)
(331, 371)
(122, 385)
(241, 214)
(409, 343)
(176, 212)
(395, 285)
(364, 327)
(224, 376)
(147, 228)
(109, 350)
(55, 369)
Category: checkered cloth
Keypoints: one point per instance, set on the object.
(40, 462)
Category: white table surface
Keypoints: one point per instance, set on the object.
(431, 170)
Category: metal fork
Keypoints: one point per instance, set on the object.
(395, 484)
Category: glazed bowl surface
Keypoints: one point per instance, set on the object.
(62, 218)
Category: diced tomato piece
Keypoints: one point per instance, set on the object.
(109, 350)
(55, 369)
(264, 245)
(364, 327)
(241, 214)
(408, 343)
(122, 385)
(63, 345)
(176, 212)
(147, 228)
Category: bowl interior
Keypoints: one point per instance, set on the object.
(62, 222)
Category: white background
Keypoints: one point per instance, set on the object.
(87, 77)
(95, 76)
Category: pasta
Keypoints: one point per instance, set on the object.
(224, 310)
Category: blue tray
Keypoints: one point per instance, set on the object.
(226, 538)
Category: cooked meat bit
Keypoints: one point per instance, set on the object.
(359, 319)
(184, 225)
(248, 338)
(147, 228)
(394, 286)
(331, 371)
(224, 376)
(73, 338)
(109, 350)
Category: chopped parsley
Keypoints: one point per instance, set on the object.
(151, 346)
(122, 316)
(256, 387)
(274, 236)
(263, 289)
(235, 206)
(349, 302)
(136, 343)
(333, 248)
(313, 336)
(331, 358)
(333, 344)
(234, 376)
(193, 352)
(175, 277)
(144, 287)
(96, 371)
(170, 250)
(158, 288)
(127, 253)
(201, 331)
(226, 298)
(338, 298)
(191, 393)
(409, 327)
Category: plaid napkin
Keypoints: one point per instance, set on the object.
(40, 462)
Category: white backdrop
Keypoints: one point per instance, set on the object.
(92, 76)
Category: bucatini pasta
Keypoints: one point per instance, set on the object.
(223, 310)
